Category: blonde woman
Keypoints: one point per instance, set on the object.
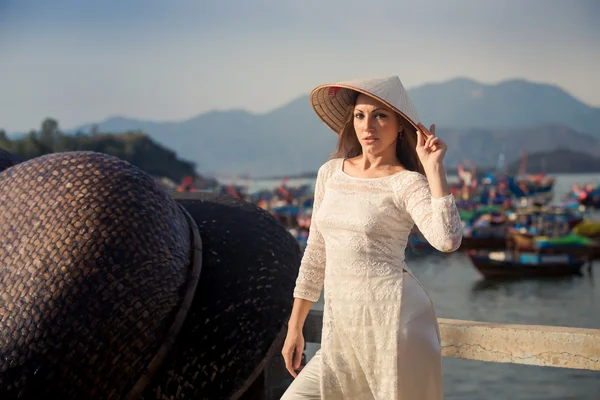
(380, 333)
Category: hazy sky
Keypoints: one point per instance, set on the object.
(81, 61)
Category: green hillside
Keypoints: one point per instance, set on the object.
(133, 146)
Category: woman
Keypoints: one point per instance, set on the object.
(380, 334)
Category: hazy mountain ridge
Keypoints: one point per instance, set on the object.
(483, 146)
(559, 161)
(510, 104)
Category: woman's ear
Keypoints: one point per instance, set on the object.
(400, 123)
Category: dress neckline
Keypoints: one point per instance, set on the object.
(341, 170)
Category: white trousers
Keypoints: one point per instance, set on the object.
(307, 385)
(423, 371)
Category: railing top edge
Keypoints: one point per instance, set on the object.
(519, 327)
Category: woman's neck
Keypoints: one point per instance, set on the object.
(377, 161)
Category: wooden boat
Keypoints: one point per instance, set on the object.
(572, 244)
(478, 243)
(589, 229)
(522, 240)
(515, 265)
(468, 243)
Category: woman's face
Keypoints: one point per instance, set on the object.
(376, 126)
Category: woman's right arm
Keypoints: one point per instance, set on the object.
(293, 346)
(309, 283)
(311, 274)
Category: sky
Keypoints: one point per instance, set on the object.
(84, 61)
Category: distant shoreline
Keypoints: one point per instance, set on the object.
(450, 172)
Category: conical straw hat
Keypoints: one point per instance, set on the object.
(331, 101)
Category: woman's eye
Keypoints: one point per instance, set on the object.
(361, 115)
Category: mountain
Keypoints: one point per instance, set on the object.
(464, 103)
(559, 161)
(287, 140)
(483, 146)
(477, 120)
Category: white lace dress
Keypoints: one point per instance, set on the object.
(355, 251)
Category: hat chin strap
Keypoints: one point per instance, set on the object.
(190, 291)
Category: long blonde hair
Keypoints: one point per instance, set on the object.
(348, 145)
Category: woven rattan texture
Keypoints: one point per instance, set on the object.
(94, 257)
(245, 295)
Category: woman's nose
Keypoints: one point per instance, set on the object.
(369, 123)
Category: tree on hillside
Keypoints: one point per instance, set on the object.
(49, 132)
(135, 147)
(4, 140)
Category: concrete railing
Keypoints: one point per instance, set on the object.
(540, 345)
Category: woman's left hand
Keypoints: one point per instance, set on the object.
(430, 148)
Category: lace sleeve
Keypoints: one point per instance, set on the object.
(311, 275)
(437, 218)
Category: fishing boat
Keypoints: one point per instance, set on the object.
(509, 264)
(571, 243)
(485, 228)
(487, 242)
(521, 240)
(589, 229)
(552, 232)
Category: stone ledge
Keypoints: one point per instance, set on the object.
(541, 345)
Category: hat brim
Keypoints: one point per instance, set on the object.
(332, 108)
(241, 305)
